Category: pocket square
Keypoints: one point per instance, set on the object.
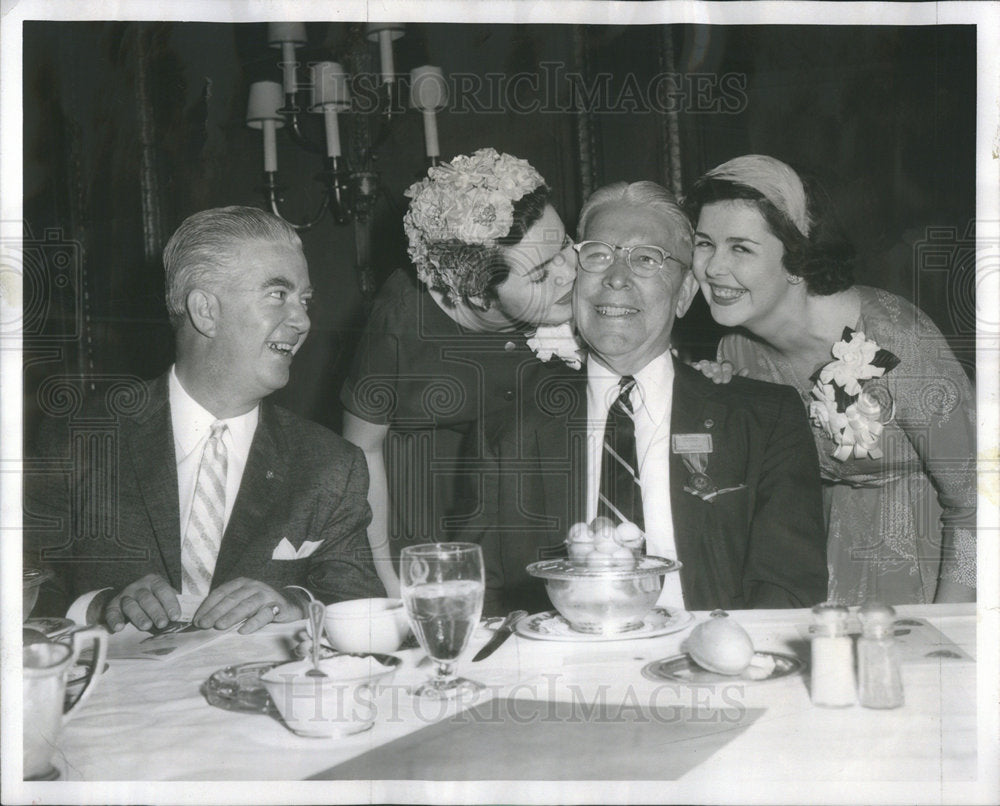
(286, 551)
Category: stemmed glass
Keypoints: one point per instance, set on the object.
(442, 586)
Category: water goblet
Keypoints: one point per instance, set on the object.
(442, 586)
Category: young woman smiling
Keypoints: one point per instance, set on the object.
(893, 411)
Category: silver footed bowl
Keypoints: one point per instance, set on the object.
(603, 600)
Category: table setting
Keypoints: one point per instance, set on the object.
(607, 686)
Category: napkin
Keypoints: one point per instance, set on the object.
(540, 740)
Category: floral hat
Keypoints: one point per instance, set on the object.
(469, 201)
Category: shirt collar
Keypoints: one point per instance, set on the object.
(602, 387)
(192, 422)
(654, 386)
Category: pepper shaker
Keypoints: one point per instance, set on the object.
(879, 682)
(832, 680)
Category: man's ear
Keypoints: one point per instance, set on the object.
(203, 311)
(685, 294)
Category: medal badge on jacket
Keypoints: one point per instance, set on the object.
(694, 450)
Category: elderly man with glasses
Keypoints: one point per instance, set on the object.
(723, 478)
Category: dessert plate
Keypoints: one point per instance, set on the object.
(550, 626)
(682, 669)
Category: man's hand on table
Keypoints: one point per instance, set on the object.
(146, 602)
(249, 599)
(151, 601)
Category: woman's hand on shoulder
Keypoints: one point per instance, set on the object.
(718, 371)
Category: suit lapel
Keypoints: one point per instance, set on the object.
(150, 440)
(692, 412)
(565, 438)
(265, 473)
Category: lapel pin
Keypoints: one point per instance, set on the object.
(269, 474)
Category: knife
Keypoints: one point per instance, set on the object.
(502, 634)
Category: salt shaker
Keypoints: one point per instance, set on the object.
(832, 682)
(879, 682)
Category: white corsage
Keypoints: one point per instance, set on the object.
(559, 341)
(842, 408)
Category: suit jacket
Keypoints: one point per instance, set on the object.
(101, 502)
(762, 545)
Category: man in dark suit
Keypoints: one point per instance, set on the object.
(723, 478)
(194, 489)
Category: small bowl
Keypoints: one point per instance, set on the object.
(603, 601)
(366, 625)
(341, 703)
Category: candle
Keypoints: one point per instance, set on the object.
(428, 93)
(287, 36)
(431, 134)
(385, 55)
(330, 96)
(270, 147)
(262, 113)
(332, 131)
(384, 33)
(288, 66)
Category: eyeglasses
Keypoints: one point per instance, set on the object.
(644, 259)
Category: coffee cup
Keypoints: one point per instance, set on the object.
(46, 666)
(339, 700)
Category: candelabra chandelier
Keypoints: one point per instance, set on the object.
(349, 192)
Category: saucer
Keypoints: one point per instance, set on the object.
(550, 626)
(682, 669)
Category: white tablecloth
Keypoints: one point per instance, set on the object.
(148, 722)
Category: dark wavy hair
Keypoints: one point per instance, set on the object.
(825, 259)
(483, 268)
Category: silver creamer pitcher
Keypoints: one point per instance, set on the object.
(46, 665)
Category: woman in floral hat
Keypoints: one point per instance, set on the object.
(446, 349)
(893, 412)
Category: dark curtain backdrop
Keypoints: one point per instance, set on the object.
(130, 127)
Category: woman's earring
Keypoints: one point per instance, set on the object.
(794, 279)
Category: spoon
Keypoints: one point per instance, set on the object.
(316, 615)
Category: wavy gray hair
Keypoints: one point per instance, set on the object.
(203, 249)
(644, 194)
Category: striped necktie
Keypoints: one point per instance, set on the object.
(620, 496)
(203, 536)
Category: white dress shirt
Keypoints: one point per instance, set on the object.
(192, 425)
(651, 400)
